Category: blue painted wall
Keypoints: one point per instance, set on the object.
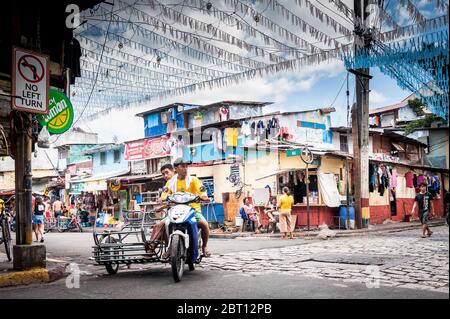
(153, 125)
(109, 166)
(208, 152)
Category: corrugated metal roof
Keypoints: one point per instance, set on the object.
(388, 108)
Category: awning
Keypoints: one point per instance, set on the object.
(398, 147)
(141, 177)
(281, 171)
(104, 176)
(96, 182)
(7, 192)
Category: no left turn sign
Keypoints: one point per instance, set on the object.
(30, 81)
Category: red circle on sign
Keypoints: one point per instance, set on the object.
(34, 71)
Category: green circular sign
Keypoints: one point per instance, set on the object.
(60, 115)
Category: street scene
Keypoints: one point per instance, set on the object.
(236, 149)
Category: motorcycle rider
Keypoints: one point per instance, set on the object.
(182, 182)
(159, 230)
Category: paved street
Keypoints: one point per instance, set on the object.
(387, 265)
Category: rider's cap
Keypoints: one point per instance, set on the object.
(180, 161)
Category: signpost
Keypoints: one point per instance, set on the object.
(60, 115)
(30, 81)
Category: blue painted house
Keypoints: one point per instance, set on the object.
(108, 159)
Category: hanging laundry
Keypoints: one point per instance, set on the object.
(372, 176)
(217, 139)
(409, 176)
(260, 128)
(253, 130)
(394, 178)
(163, 118)
(377, 120)
(380, 174)
(231, 134)
(224, 113)
(435, 186)
(420, 179)
(284, 133)
(245, 128)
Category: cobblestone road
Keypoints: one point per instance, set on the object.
(400, 259)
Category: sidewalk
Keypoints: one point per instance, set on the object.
(10, 277)
(303, 233)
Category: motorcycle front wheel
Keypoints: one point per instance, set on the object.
(177, 256)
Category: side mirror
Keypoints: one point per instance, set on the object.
(202, 189)
(165, 189)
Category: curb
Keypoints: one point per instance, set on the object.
(32, 276)
(315, 233)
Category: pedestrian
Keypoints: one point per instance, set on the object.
(272, 213)
(38, 219)
(251, 213)
(285, 207)
(423, 201)
(446, 205)
(48, 211)
(57, 210)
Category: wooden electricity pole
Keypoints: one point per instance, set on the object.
(23, 177)
(360, 121)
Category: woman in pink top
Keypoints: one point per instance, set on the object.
(250, 211)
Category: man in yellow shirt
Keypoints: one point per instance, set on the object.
(285, 203)
(181, 182)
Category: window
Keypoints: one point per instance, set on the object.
(116, 156)
(153, 165)
(208, 182)
(102, 158)
(343, 142)
(2, 177)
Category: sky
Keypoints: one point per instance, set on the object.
(307, 89)
(311, 87)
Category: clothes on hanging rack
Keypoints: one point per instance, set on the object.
(231, 135)
(420, 179)
(394, 179)
(224, 113)
(217, 139)
(409, 176)
(435, 186)
(245, 128)
(372, 177)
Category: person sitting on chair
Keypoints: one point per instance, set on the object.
(251, 213)
(271, 211)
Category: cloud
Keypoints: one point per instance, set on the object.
(377, 97)
(277, 88)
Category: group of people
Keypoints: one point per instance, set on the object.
(281, 208)
(45, 210)
(178, 180)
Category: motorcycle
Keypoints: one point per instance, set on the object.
(184, 235)
(69, 223)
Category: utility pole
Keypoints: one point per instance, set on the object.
(23, 178)
(25, 255)
(360, 120)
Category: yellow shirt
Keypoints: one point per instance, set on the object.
(194, 188)
(231, 135)
(286, 202)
